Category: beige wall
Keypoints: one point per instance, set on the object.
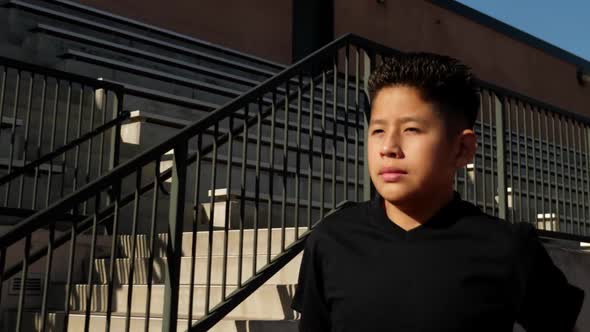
(260, 27)
(420, 25)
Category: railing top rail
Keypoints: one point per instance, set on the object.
(37, 69)
(167, 32)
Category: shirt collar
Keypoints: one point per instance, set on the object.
(444, 217)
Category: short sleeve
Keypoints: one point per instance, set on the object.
(309, 297)
(549, 302)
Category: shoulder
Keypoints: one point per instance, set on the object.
(347, 215)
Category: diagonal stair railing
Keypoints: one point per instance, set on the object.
(270, 209)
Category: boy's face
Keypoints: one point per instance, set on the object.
(410, 154)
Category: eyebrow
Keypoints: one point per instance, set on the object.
(401, 120)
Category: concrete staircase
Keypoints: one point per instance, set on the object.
(267, 309)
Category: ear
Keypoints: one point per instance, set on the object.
(466, 147)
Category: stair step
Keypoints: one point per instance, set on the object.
(287, 275)
(143, 242)
(267, 302)
(55, 320)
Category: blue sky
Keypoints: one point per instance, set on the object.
(563, 23)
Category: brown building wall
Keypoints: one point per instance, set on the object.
(260, 27)
(422, 26)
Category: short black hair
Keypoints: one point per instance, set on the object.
(440, 79)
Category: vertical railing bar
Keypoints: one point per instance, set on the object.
(271, 177)
(357, 134)
(500, 157)
(526, 161)
(2, 252)
(493, 183)
(577, 147)
(47, 277)
(114, 254)
(152, 247)
(23, 282)
(539, 113)
(257, 187)
(553, 122)
(91, 263)
(285, 161)
(518, 144)
(322, 151)
(70, 276)
(78, 133)
(39, 142)
(130, 280)
(587, 129)
(66, 132)
(530, 110)
(196, 217)
(549, 159)
(335, 129)
(26, 140)
(227, 203)
(103, 108)
(562, 163)
(12, 133)
(298, 156)
(211, 220)
(483, 155)
(345, 164)
(570, 227)
(2, 92)
(583, 170)
(243, 194)
(508, 107)
(52, 143)
(89, 157)
(310, 152)
(174, 245)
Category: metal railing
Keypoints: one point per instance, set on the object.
(53, 124)
(269, 211)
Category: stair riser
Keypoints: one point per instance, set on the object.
(267, 302)
(97, 323)
(287, 275)
(202, 241)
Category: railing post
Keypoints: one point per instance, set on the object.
(500, 158)
(174, 246)
(368, 63)
(116, 131)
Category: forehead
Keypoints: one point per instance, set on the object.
(402, 104)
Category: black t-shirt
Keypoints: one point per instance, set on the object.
(462, 270)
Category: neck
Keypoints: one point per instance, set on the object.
(415, 213)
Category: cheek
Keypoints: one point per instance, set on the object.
(428, 152)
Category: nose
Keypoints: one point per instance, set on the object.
(391, 148)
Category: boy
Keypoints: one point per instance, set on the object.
(417, 257)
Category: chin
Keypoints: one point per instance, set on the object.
(395, 193)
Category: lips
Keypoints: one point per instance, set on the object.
(391, 174)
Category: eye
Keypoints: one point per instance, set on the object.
(413, 129)
(377, 131)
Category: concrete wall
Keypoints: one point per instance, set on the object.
(423, 26)
(261, 27)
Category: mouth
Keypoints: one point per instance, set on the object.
(391, 174)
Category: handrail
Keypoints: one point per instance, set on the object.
(166, 32)
(72, 144)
